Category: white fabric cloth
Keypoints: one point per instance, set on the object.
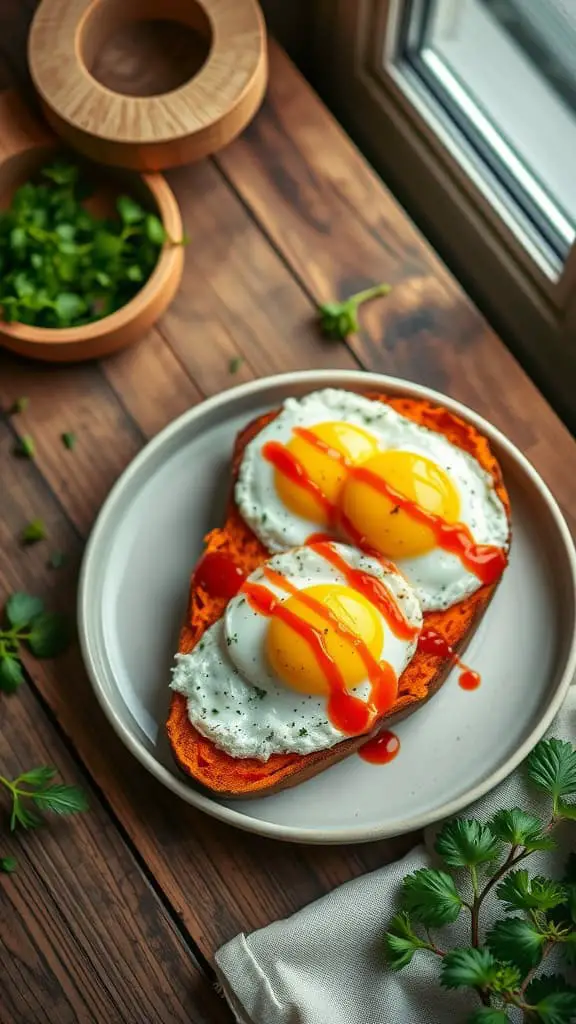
(324, 965)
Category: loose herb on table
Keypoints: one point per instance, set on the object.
(502, 966)
(60, 266)
(46, 634)
(34, 792)
(338, 320)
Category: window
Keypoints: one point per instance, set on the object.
(468, 108)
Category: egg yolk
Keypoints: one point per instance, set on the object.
(382, 523)
(323, 466)
(291, 656)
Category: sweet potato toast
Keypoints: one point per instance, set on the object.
(242, 778)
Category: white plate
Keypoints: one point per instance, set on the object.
(133, 594)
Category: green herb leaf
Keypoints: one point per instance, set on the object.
(520, 892)
(22, 608)
(130, 211)
(517, 942)
(69, 306)
(61, 799)
(69, 439)
(33, 532)
(235, 364)
(473, 968)
(20, 405)
(557, 1007)
(431, 897)
(11, 675)
(401, 942)
(49, 635)
(8, 865)
(465, 842)
(488, 1015)
(519, 828)
(40, 776)
(566, 810)
(57, 560)
(155, 230)
(61, 172)
(25, 447)
(22, 816)
(552, 767)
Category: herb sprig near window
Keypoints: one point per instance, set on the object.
(502, 967)
(62, 267)
(337, 320)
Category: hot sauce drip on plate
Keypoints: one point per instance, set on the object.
(219, 575)
(484, 560)
(348, 713)
(381, 749)
(431, 642)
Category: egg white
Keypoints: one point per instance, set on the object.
(439, 578)
(234, 698)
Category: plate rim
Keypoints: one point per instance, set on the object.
(186, 790)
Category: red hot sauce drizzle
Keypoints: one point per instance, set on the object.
(219, 575)
(348, 713)
(431, 642)
(486, 561)
(381, 749)
(371, 588)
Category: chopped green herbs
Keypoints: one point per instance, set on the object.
(69, 440)
(235, 364)
(20, 405)
(25, 447)
(8, 865)
(57, 560)
(33, 532)
(63, 267)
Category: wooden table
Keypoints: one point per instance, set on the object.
(114, 915)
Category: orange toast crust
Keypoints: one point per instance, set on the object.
(247, 777)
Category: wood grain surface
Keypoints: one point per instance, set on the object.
(112, 915)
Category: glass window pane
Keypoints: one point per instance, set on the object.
(506, 72)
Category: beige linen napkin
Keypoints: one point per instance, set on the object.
(324, 965)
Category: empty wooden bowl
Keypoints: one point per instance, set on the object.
(25, 147)
(148, 84)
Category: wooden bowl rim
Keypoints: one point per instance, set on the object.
(190, 91)
(167, 263)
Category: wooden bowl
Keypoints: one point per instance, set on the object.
(118, 87)
(25, 146)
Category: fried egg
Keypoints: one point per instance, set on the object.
(307, 653)
(340, 463)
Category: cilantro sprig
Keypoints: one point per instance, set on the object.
(34, 792)
(46, 634)
(337, 320)
(60, 266)
(503, 965)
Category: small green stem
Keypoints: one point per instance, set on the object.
(432, 945)
(475, 908)
(369, 293)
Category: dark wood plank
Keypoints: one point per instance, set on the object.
(81, 930)
(218, 880)
(339, 229)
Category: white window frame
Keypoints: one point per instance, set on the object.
(461, 208)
